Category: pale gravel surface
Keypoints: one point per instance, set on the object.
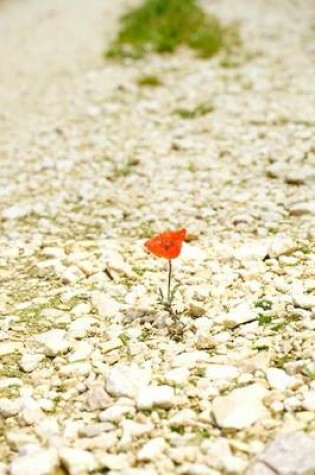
(91, 165)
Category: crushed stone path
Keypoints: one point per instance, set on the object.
(94, 376)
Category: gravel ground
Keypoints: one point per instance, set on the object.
(94, 376)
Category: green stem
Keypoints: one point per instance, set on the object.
(169, 303)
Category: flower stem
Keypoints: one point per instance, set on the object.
(169, 302)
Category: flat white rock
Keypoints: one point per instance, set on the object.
(252, 251)
(53, 342)
(241, 408)
(77, 461)
(151, 450)
(190, 359)
(104, 305)
(278, 378)
(9, 407)
(29, 363)
(127, 380)
(290, 454)
(30, 412)
(282, 245)
(309, 401)
(9, 347)
(80, 327)
(177, 376)
(82, 351)
(217, 372)
(156, 396)
(185, 417)
(41, 462)
(243, 313)
(306, 301)
(115, 413)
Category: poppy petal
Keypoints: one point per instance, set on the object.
(168, 244)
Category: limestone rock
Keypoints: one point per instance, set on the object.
(10, 347)
(105, 305)
(77, 461)
(41, 462)
(189, 359)
(291, 454)
(9, 407)
(177, 376)
(156, 396)
(241, 408)
(29, 363)
(151, 450)
(242, 313)
(281, 246)
(53, 342)
(127, 380)
(278, 378)
(217, 372)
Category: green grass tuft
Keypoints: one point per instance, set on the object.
(163, 25)
(149, 80)
(198, 111)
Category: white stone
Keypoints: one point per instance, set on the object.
(300, 209)
(240, 408)
(17, 440)
(81, 326)
(77, 461)
(9, 407)
(79, 368)
(252, 250)
(131, 429)
(115, 413)
(282, 245)
(105, 305)
(151, 449)
(190, 359)
(156, 396)
(301, 300)
(292, 454)
(81, 309)
(243, 313)
(82, 351)
(54, 252)
(278, 378)
(221, 458)
(8, 347)
(127, 380)
(71, 275)
(29, 363)
(41, 462)
(113, 462)
(97, 398)
(119, 266)
(185, 417)
(30, 412)
(10, 382)
(53, 342)
(15, 212)
(192, 253)
(309, 401)
(113, 344)
(217, 372)
(177, 376)
(46, 428)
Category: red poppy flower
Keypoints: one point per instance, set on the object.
(167, 245)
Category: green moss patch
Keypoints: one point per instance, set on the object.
(163, 25)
